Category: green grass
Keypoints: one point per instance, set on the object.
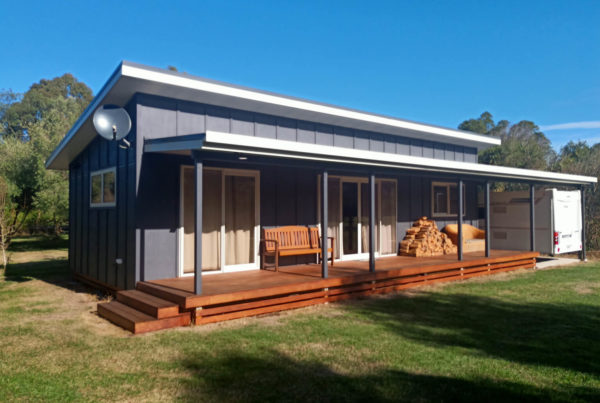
(532, 336)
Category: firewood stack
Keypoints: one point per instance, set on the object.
(425, 239)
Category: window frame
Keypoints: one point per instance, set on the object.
(447, 185)
(101, 173)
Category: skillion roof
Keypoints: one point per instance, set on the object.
(131, 78)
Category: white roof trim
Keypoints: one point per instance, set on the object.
(169, 78)
(220, 141)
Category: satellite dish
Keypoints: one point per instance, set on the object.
(112, 122)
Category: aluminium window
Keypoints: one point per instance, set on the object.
(444, 199)
(103, 188)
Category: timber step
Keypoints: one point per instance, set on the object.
(167, 293)
(149, 304)
(139, 322)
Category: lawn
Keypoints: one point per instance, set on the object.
(528, 335)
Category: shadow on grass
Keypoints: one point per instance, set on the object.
(39, 243)
(52, 271)
(275, 377)
(563, 335)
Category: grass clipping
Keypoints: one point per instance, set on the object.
(425, 239)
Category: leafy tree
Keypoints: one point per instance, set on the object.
(482, 125)
(40, 100)
(523, 145)
(7, 98)
(31, 126)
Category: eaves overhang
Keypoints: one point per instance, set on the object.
(131, 78)
(250, 145)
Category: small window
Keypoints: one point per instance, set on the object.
(444, 199)
(103, 188)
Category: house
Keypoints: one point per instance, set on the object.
(235, 162)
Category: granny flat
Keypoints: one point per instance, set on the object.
(215, 182)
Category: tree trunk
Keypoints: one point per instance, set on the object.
(4, 255)
(57, 230)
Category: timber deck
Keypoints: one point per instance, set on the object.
(165, 303)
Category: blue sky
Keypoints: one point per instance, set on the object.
(437, 62)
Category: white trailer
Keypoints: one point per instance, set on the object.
(557, 221)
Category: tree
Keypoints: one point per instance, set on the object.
(31, 126)
(523, 144)
(482, 125)
(7, 98)
(40, 100)
(5, 221)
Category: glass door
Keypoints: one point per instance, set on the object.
(230, 220)
(350, 217)
(240, 221)
(354, 211)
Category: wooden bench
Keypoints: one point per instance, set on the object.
(292, 240)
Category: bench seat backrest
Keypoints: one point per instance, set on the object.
(292, 237)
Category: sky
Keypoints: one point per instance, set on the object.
(437, 62)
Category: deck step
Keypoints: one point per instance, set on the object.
(149, 304)
(139, 322)
(167, 293)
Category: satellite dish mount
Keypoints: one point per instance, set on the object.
(113, 123)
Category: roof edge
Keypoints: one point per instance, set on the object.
(163, 76)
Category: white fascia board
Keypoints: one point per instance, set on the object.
(201, 85)
(91, 108)
(220, 141)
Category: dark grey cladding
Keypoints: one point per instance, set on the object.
(163, 117)
(141, 230)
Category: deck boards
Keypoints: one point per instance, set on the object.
(242, 287)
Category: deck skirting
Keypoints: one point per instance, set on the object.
(274, 299)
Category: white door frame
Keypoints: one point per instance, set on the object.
(180, 233)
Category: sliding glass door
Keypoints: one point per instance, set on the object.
(230, 220)
(348, 202)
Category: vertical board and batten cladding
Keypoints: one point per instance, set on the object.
(142, 228)
(288, 195)
(100, 235)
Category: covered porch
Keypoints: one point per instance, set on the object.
(222, 149)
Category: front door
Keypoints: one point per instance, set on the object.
(230, 220)
(350, 218)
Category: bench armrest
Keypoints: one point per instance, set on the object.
(332, 239)
(270, 240)
(264, 241)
